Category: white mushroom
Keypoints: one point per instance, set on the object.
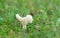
(24, 20)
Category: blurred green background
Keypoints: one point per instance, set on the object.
(44, 12)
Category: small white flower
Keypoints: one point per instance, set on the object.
(24, 20)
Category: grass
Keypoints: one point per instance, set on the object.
(45, 14)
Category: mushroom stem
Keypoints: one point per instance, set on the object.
(24, 26)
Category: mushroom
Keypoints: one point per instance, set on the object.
(24, 20)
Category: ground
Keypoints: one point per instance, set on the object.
(45, 14)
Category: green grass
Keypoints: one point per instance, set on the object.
(45, 14)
